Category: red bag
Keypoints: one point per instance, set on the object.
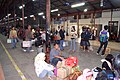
(71, 61)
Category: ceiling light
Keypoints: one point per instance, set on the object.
(15, 15)
(43, 17)
(58, 14)
(78, 5)
(85, 10)
(25, 17)
(20, 7)
(54, 10)
(33, 0)
(31, 15)
(40, 13)
(101, 4)
(9, 14)
(20, 18)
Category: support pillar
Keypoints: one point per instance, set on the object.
(23, 13)
(48, 26)
(14, 15)
(78, 26)
(67, 26)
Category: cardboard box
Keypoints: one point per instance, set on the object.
(62, 72)
(59, 64)
(69, 69)
(67, 78)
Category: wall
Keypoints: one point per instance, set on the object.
(106, 17)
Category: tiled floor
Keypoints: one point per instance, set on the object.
(25, 60)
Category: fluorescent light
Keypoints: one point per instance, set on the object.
(15, 15)
(33, 0)
(9, 14)
(101, 3)
(20, 7)
(85, 10)
(54, 10)
(58, 14)
(40, 13)
(25, 17)
(78, 5)
(31, 15)
(20, 18)
(43, 17)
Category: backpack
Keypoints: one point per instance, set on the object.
(38, 42)
(105, 75)
(103, 36)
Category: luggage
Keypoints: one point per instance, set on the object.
(9, 41)
(105, 75)
(38, 43)
(62, 72)
(71, 61)
(26, 44)
(103, 36)
(65, 44)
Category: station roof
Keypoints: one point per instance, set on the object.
(33, 7)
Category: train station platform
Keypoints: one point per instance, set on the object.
(18, 65)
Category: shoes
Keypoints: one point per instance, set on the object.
(31, 50)
(24, 50)
(97, 53)
(102, 55)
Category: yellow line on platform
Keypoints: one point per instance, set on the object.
(14, 64)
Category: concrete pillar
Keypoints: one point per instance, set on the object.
(23, 13)
(48, 20)
(78, 25)
(48, 14)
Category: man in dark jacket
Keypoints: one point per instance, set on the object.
(62, 36)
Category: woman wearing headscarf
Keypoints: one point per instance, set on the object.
(87, 75)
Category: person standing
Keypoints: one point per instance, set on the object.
(73, 39)
(62, 36)
(28, 37)
(13, 37)
(104, 36)
(87, 37)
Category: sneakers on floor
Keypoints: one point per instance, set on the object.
(97, 53)
(24, 50)
(31, 50)
(102, 56)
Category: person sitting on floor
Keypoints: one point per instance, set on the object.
(87, 75)
(116, 66)
(107, 62)
(42, 68)
(55, 55)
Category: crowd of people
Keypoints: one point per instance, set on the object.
(110, 63)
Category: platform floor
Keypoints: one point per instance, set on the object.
(17, 64)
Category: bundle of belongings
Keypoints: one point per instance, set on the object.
(67, 69)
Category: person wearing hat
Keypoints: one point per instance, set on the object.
(87, 75)
(42, 68)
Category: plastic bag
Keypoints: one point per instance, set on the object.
(71, 61)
